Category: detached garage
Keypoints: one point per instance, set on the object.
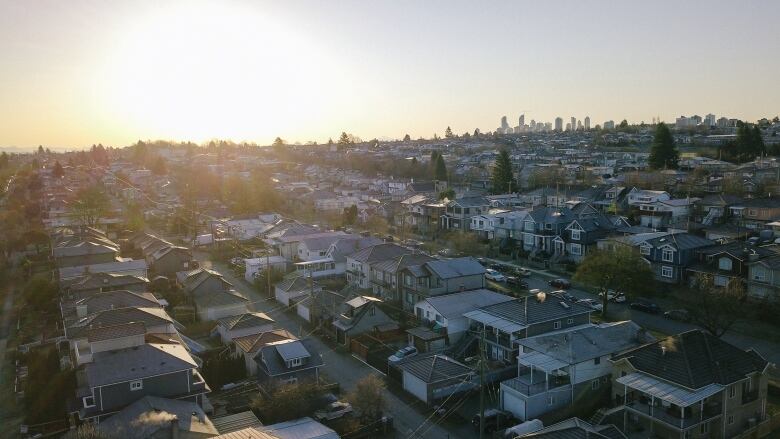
(431, 378)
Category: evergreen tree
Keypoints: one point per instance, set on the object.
(663, 152)
(278, 142)
(503, 177)
(344, 141)
(432, 162)
(407, 138)
(441, 168)
(448, 133)
(40, 149)
(57, 171)
(759, 147)
(476, 132)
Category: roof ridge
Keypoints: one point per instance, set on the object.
(685, 359)
(717, 369)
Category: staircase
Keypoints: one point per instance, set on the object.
(459, 349)
(602, 414)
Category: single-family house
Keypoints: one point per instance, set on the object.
(288, 361)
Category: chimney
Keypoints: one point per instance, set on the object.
(174, 427)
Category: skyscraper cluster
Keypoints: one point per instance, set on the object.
(535, 127)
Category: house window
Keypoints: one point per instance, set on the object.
(705, 428)
(438, 318)
(575, 235)
(666, 272)
(645, 250)
(594, 384)
(597, 360)
(291, 380)
(557, 325)
(731, 419)
(136, 385)
(576, 249)
(667, 255)
(758, 274)
(295, 362)
(548, 226)
(732, 391)
(725, 263)
(569, 321)
(89, 401)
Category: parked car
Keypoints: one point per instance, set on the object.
(483, 261)
(591, 303)
(681, 315)
(494, 420)
(402, 353)
(333, 410)
(647, 307)
(516, 281)
(560, 283)
(564, 295)
(614, 296)
(494, 275)
(522, 272)
(497, 267)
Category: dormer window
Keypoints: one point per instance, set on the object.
(644, 249)
(295, 362)
(667, 255)
(575, 235)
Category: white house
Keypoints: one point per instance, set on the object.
(256, 265)
(446, 311)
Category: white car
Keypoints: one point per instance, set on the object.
(614, 296)
(402, 353)
(592, 303)
(494, 275)
(334, 410)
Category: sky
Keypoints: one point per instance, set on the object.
(76, 73)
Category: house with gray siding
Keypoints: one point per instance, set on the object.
(288, 362)
(441, 276)
(558, 370)
(360, 315)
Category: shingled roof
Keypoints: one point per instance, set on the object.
(694, 359)
(431, 369)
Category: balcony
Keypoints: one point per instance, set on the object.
(382, 283)
(501, 338)
(675, 416)
(530, 385)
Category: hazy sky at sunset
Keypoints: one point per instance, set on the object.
(74, 73)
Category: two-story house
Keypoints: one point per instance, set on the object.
(129, 369)
(446, 312)
(360, 315)
(691, 385)
(755, 213)
(505, 323)
(727, 262)
(458, 212)
(581, 236)
(566, 368)
(441, 276)
(763, 281)
(669, 255)
(385, 276)
(358, 264)
(542, 225)
(288, 361)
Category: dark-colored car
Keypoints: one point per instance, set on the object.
(494, 420)
(648, 307)
(681, 315)
(516, 281)
(560, 283)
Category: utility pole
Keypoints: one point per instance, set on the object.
(482, 384)
(268, 270)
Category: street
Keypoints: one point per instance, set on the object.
(341, 367)
(655, 322)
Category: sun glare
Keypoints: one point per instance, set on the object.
(219, 71)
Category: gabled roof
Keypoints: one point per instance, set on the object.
(116, 331)
(101, 280)
(453, 268)
(694, 359)
(220, 298)
(297, 284)
(530, 310)
(254, 342)
(245, 321)
(271, 359)
(350, 244)
(150, 415)
(379, 252)
(551, 215)
(137, 362)
(455, 305)
(575, 428)
(401, 262)
(84, 248)
(433, 368)
(111, 317)
(681, 241)
(585, 344)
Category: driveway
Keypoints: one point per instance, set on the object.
(341, 367)
(768, 349)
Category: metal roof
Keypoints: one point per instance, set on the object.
(666, 391)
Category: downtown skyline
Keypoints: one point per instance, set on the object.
(85, 72)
